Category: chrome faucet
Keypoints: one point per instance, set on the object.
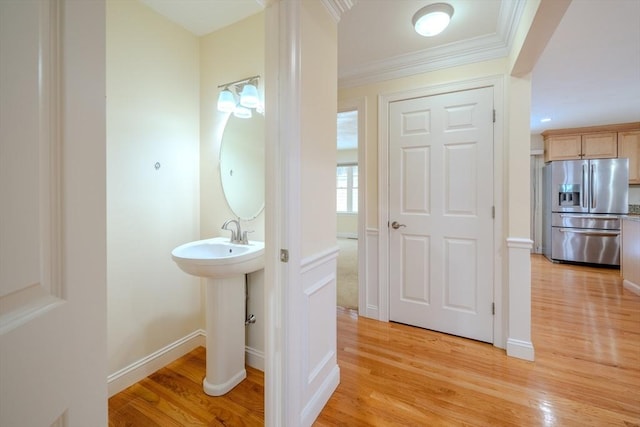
(236, 235)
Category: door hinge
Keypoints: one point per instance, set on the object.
(284, 255)
(493, 212)
(493, 308)
(494, 116)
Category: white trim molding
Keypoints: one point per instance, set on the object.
(519, 343)
(369, 289)
(337, 7)
(320, 372)
(631, 287)
(254, 358)
(146, 366)
(366, 279)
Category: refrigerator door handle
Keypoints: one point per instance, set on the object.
(590, 232)
(599, 216)
(583, 192)
(592, 186)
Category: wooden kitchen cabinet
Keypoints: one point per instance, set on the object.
(581, 146)
(562, 147)
(600, 145)
(596, 142)
(629, 147)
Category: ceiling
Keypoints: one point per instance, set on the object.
(589, 73)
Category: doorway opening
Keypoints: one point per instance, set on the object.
(347, 209)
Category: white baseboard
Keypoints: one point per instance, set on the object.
(146, 366)
(321, 397)
(520, 349)
(630, 286)
(254, 358)
(370, 296)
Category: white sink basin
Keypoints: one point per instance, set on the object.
(224, 265)
(218, 258)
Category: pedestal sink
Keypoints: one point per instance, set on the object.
(224, 265)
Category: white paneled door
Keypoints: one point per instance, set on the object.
(52, 214)
(441, 213)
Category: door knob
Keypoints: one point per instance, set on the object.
(395, 225)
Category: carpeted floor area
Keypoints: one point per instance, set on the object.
(348, 273)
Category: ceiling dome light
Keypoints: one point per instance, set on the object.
(431, 20)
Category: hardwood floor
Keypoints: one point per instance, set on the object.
(173, 396)
(586, 333)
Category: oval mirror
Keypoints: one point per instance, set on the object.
(242, 165)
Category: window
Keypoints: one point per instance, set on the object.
(347, 188)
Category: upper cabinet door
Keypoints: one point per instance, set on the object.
(600, 145)
(629, 147)
(562, 147)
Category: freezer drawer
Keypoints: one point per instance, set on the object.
(599, 221)
(586, 245)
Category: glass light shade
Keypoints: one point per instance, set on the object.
(226, 101)
(431, 20)
(242, 112)
(249, 96)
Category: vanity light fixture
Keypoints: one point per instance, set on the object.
(226, 101)
(249, 96)
(243, 100)
(432, 19)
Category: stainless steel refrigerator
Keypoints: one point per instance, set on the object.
(582, 202)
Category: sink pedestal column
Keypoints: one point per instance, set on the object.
(225, 334)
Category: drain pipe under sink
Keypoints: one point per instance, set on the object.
(248, 318)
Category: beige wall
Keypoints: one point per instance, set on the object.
(347, 225)
(517, 176)
(229, 54)
(152, 116)
(318, 130)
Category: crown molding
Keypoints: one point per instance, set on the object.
(337, 7)
(465, 52)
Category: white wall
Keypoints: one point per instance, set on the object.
(152, 117)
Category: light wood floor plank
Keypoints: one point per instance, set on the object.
(586, 333)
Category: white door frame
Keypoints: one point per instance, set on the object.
(360, 105)
(497, 82)
(281, 216)
(294, 395)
